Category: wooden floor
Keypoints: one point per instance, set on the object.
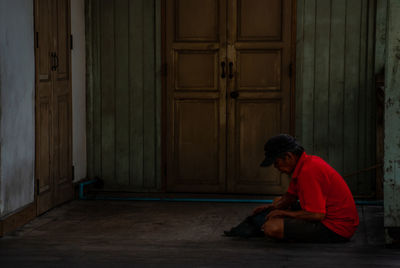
(170, 234)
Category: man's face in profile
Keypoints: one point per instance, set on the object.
(286, 164)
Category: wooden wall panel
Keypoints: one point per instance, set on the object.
(307, 33)
(336, 85)
(149, 94)
(321, 80)
(351, 89)
(107, 81)
(123, 93)
(335, 101)
(371, 102)
(380, 61)
(136, 59)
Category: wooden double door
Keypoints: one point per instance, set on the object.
(228, 90)
(53, 104)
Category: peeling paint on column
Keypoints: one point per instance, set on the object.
(392, 126)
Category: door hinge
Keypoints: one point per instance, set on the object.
(37, 187)
(71, 42)
(37, 39)
(290, 70)
(164, 69)
(73, 173)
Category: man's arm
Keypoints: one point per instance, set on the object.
(282, 202)
(285, 201)
(299, 214)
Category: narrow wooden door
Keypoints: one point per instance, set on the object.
(44, 101)
(259, 90)
(53, 103)
(229, 90)
(196, 90)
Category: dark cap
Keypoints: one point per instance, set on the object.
(276, 146)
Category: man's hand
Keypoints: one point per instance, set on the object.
(277, 213)
(284, 201)
(261, 208)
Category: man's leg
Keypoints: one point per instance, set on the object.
(300, 230)
(274, 228)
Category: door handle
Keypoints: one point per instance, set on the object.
(223, 69)
(234, 94)
(56, 61)
(53, 65)
(230, 70)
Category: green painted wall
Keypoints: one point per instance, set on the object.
(124, 92)
(335, 93)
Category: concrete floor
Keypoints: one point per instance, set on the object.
(169, 234)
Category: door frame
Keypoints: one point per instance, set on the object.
(164, 159)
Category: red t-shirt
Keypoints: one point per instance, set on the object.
(321, 189)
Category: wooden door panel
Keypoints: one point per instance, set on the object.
(44, 143)
(62, 34)
(196, 106)
(44, 99)
(259, 69)
(255, 120)
(62, 140)
(196, 70)
(214, 138)
(53, 104)
(62, 122)
(259, 19)
(197, 151)
(259, 46)
(43, 41)
(62, 150)
(197, 20)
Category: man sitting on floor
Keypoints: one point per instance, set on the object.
(327, 211)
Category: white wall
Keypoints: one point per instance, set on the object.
(17, 88)
(78, 59)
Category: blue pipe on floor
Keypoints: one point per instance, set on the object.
(184, 199)
(266, 201)
(81, 195)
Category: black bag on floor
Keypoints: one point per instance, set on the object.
(251, 226)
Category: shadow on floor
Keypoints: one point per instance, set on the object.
(170, 234)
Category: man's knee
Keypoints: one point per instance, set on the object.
(274, 228)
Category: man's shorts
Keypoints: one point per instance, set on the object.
(307, 231)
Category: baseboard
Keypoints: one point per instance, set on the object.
(17, 219)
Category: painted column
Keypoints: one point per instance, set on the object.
(17, 105)
(392, 126)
